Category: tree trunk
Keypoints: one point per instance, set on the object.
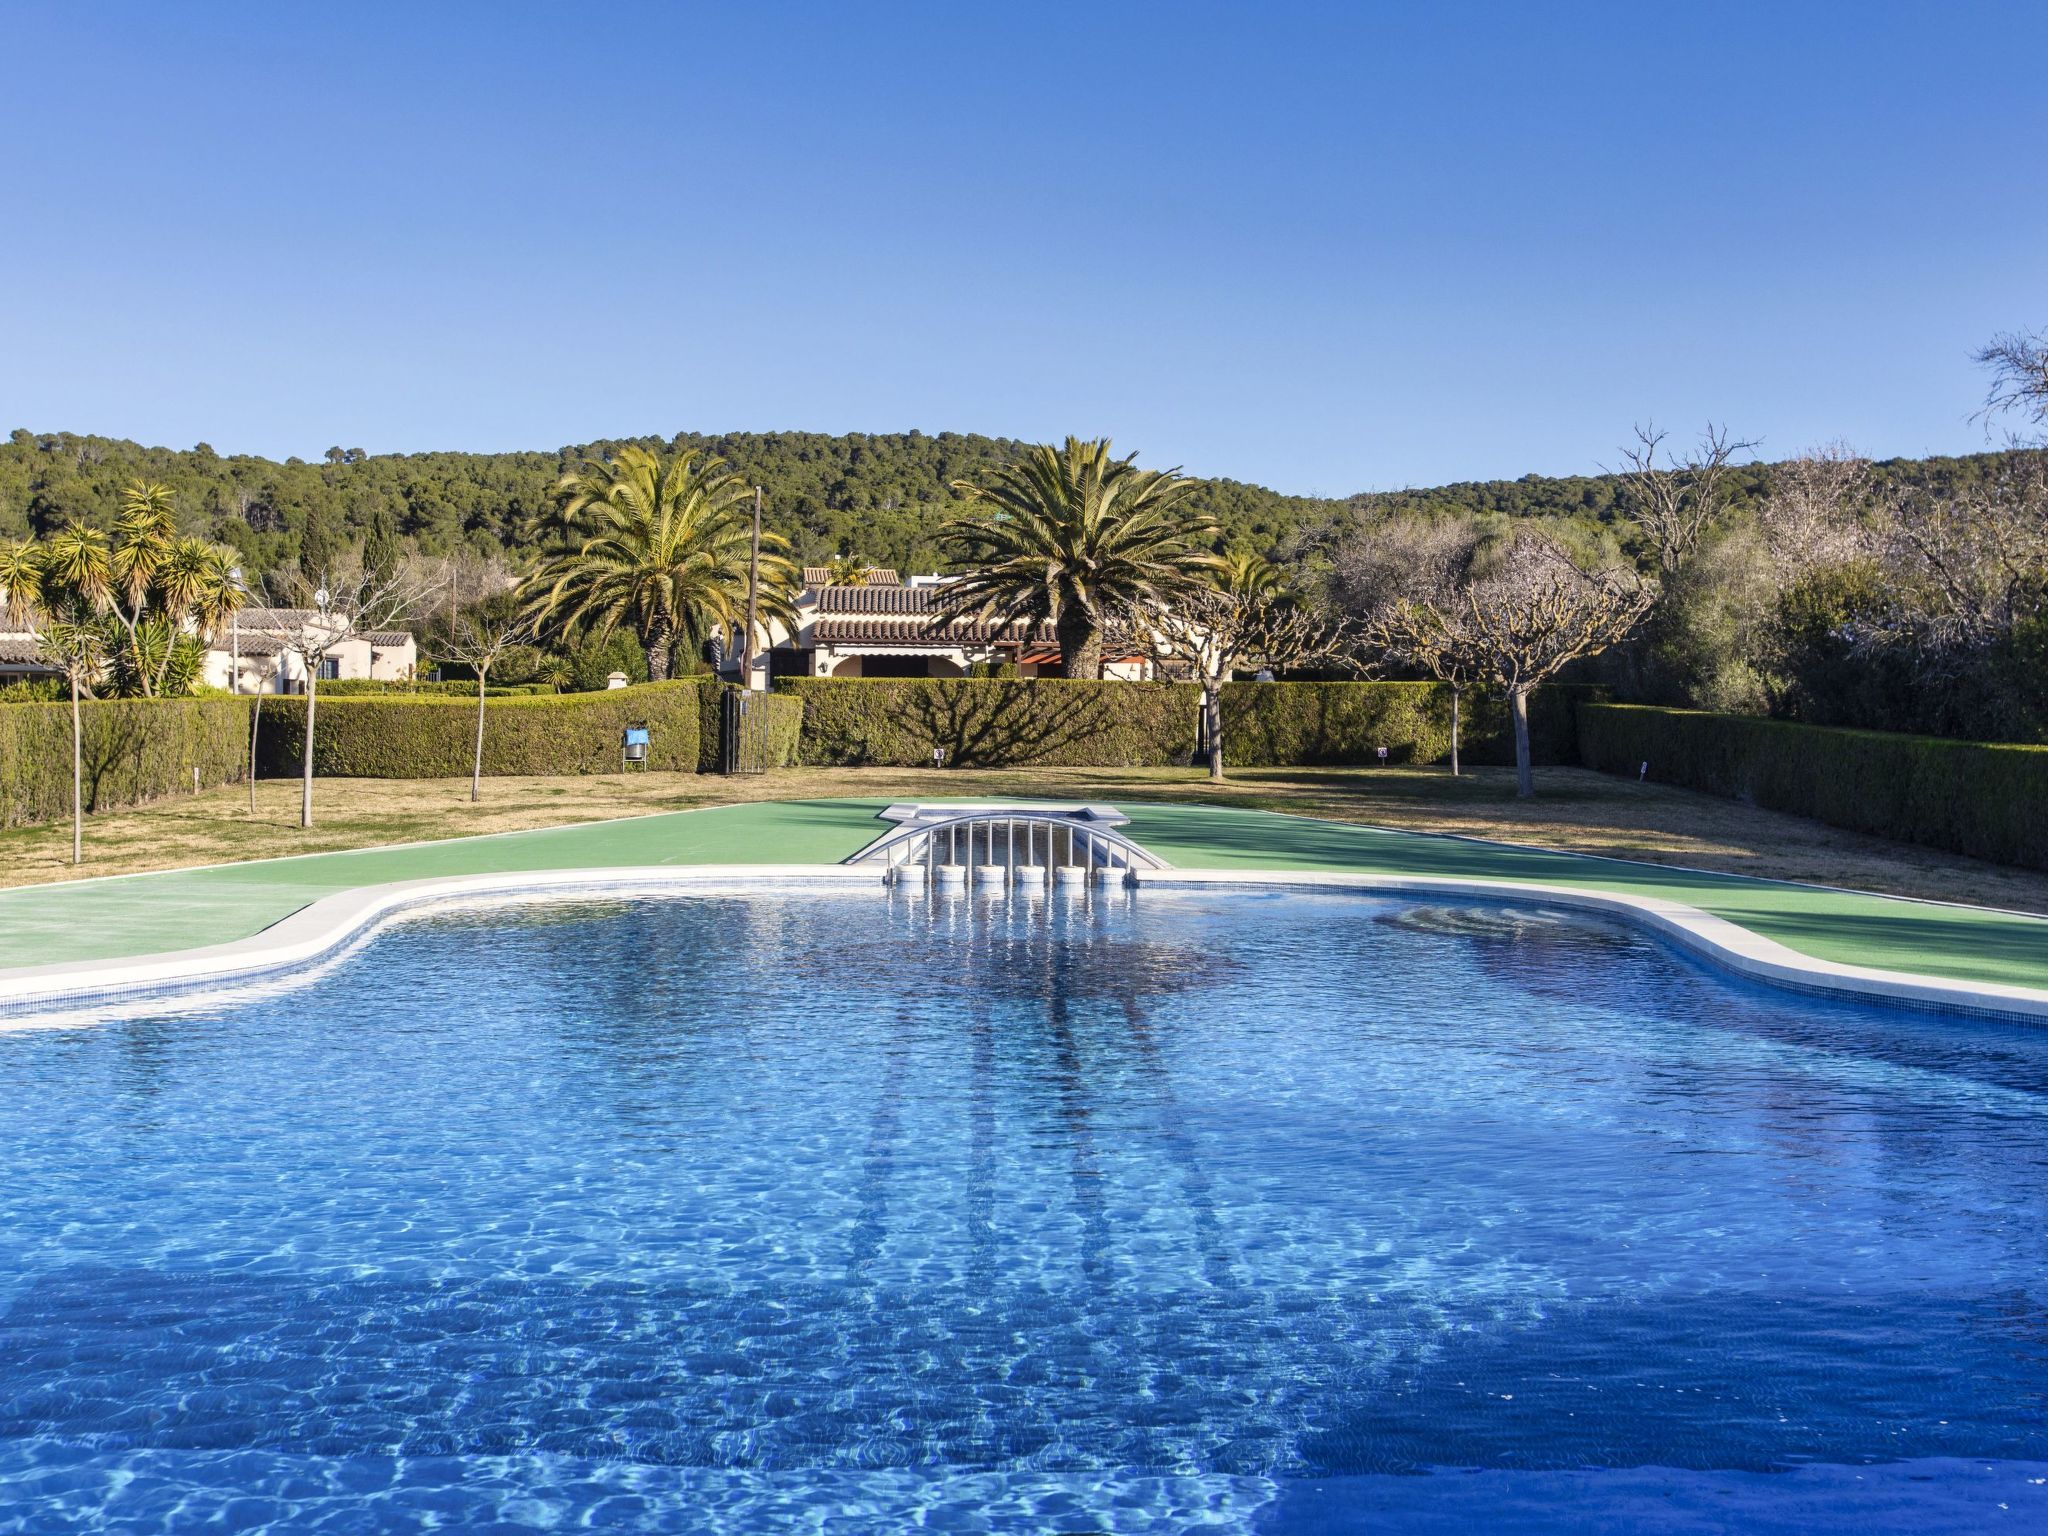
(1212, 725)
(1518, 708)
(306, 757)
(476, 768)
(1456, 693)
(656, 644)
(77, 779)
(1080, 640)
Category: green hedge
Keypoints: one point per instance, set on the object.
(1990, 801)
(133, 750)
(374, 688)
(779, 715)
(428, 737)
(984, 722)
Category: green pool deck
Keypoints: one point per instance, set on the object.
(128, 915)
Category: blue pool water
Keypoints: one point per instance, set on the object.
(1175, 1212)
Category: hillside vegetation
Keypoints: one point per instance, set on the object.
(878, 497)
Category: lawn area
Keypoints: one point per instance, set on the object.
(1575, 810)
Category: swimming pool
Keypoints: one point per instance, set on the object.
(1176, 1211)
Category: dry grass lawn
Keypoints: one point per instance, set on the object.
(1574, 809)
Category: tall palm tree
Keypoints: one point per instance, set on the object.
(661, 549)
(1076, 537)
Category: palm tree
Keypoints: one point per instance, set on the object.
(661, 549)
(1245, 573)
(1073, 536)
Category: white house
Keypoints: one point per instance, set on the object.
(884, 628)
(20, 659)
(260, 641)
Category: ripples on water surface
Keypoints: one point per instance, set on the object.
(1188, 1212)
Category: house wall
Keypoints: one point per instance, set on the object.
(352, 659)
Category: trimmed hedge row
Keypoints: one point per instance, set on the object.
(374, 688)
(1281, 725)
(425, 737)
(133, 750)
(780, 716)
(1983, 799)
(985, 722)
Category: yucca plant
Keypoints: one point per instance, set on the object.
(660, 549)
(1077, 538)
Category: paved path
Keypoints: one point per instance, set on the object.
(179, 909)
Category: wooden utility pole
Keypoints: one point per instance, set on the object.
(753, 598)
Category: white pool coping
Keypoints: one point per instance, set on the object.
(297, 946)
(1716, 938)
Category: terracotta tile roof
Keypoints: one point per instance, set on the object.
(885, 631)
(902, 600)
(19, 650)
(816, 576)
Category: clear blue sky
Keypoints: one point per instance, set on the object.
(1327, 248)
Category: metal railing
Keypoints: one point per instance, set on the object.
(1010, 841)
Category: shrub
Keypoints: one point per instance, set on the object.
(1968, 797)
(426, 736)
(134, 750)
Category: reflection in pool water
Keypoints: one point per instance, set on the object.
(1202, 1211)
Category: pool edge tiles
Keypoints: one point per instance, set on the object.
(1727, 944)
(312, 905)
(323, 929)
(303, 943)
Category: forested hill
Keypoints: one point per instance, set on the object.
(880, 497)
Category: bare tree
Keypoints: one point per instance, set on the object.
(60, 594)
(341, 606)
(81, 651)
(2018, 363)
(1532, 614)
(1811, 517)
(477, 634)
(1972, 564)
(256, 719)
(1445, 648)
(1674, 502)
(1216, 631)
(1392, 562)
